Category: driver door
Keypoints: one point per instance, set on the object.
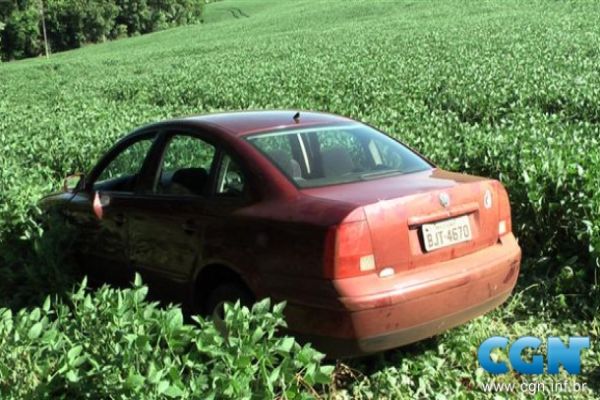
(103, 238)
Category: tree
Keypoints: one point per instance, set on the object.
(1, 29)
(70, 24)
(22, 35)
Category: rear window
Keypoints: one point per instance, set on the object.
(330, 155)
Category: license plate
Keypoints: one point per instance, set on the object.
(446, 233)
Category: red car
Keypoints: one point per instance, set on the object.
(370, 244)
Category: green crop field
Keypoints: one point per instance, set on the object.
(506, 89)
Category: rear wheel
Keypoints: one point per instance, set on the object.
(230, 292)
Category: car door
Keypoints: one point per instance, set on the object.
(103, 227)
(167, 227)
(231, 236)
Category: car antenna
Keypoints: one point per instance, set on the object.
(296, 117)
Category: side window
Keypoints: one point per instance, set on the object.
(122, 172)
(185, 166)
(230, 180)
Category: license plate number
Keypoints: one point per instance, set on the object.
(446, 233)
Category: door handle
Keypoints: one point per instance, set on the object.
(189, 227)
(119, 219)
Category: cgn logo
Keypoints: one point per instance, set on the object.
(557, 353)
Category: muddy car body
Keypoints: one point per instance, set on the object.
(370, 244)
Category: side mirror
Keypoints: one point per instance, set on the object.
(71, 182)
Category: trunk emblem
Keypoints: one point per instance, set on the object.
(444, 199)
(487, 199)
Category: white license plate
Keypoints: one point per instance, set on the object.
(446, 233)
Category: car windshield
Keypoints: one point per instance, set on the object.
(329, 155)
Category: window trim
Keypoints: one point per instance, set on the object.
(118, 149)
(247, 195)
(167, 135)
(156, 159)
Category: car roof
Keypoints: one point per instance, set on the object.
(240, 123)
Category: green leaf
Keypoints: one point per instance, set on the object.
(162, 386)
(274, 375)
(309, 374)
(257, 334)
(173, 391)
(153, 374)
(74, 352)
(72, 376)
(279, 307)
(262, 306)
(137, 281)
(47, 303)
(134, 381)
(78, 361)
(324, 375)
(35, 331)
(175, 319)
(35, 314)
(286, 344)
(50, 335)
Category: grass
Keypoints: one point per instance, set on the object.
(503, 89)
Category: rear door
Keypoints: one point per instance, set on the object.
(167, 227)
(231, 235)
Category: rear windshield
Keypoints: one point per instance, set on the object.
(329, 155)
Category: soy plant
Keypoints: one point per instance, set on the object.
(115, 344)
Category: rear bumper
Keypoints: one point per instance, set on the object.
(413, 305)
(344, 347)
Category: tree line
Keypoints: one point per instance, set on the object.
(72, 23)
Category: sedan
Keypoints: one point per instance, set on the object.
(370, 244)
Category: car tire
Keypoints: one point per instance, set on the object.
(225, 293)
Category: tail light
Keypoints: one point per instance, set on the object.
(504, 219)
(348, 250)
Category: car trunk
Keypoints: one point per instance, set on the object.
(400, 211)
